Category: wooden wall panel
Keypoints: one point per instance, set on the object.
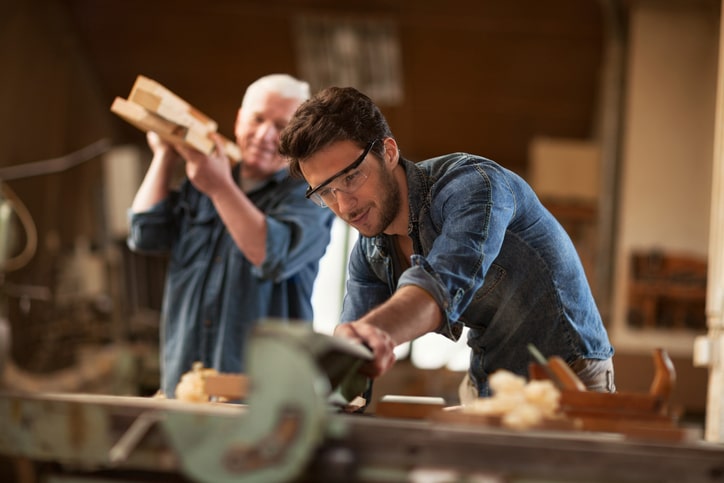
(482, 76)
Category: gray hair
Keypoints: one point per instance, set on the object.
(282, 84)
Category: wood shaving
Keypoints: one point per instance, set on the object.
(518, 403)
(191, 387)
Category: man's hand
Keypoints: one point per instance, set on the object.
(377, 340)
(207, 173)
(161, 149)
(408, 314)
(160, 175)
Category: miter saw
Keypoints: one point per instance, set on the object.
(298, 378)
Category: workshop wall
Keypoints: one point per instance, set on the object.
(665, 192)
(480, 76)
(50, 106)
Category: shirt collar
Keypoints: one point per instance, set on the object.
(275, 178)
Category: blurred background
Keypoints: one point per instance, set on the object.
(606, 107)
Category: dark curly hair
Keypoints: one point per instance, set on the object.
(333, 114)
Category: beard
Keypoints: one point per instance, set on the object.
(388, 203)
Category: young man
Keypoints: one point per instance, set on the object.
(244, 244)
(449, 242)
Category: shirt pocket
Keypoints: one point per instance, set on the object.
(198, 237)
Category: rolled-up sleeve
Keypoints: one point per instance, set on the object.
(152, 231)
(422, 275)
(298, 232)
(473, 225)
(365, 288)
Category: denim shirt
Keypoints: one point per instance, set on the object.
(494, 259)
(213, 295)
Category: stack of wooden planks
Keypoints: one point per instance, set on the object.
(152, 107)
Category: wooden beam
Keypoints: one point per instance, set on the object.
(158, 99)
(709, 350)
(152, 107)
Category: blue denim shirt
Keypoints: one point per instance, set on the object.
(494, 259)
(213, 295)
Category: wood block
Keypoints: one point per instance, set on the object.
(152, 107)
(225, 385)
(619, 415)
(158, 99)
(604, 401)
(656, 428)
(172, 132)
(408, 407)
(566, 378)
(167, 130)
(231, 149)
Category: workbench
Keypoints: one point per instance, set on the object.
(289, 431)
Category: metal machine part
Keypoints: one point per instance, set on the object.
(291, 432)
(288, 405)
(271, 438)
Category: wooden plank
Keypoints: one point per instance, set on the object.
(167, 130)
(230, 386)
(620, 401)
(125, 404)
(456, 415)
(408, 407)
(160, 100)
(231, 149)
(651, 427)
(619, 414)
(145, 120)
(643, 430)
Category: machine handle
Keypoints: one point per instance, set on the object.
(133, 435)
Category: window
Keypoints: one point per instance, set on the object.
(358, 52)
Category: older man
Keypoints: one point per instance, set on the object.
(244, 244)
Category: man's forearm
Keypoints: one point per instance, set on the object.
(155, 186)
(245, 223)
(410, 313)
